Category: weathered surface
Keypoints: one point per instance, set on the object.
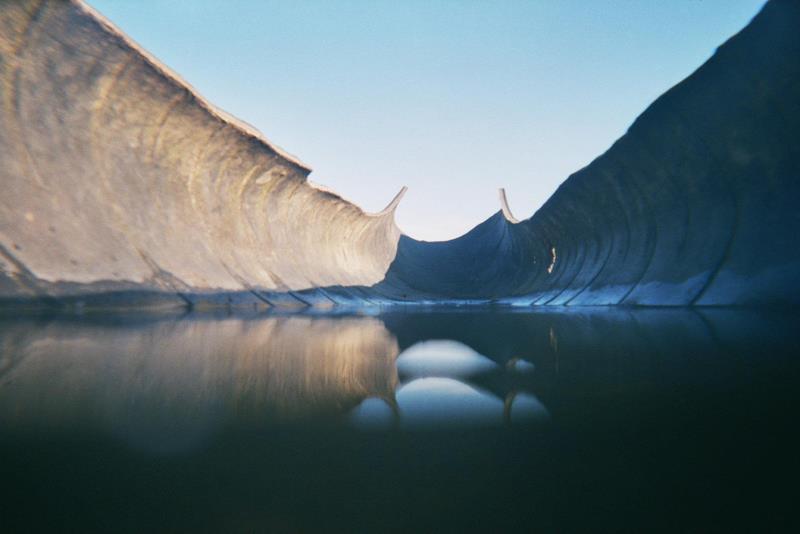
(122, 186)
(696, 204)
(117, 176)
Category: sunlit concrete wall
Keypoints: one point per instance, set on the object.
(116, 175)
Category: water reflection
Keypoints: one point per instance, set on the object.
(346, 422)
(442, 358)
(445, 401)
(165, 383)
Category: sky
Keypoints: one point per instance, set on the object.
(452, 98)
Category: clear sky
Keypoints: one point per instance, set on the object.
(453, 98)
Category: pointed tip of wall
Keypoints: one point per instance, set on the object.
(392, 206)
(504, 206)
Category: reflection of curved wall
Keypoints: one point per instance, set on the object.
(273, 367)
(187, 376)
(118, 177)
(572, 358)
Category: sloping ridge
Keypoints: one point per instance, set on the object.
(122, 185)
(119, 179)
(696, 204)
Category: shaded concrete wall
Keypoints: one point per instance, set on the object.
(120, 181)
(696, 204)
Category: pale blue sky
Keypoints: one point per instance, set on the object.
(452, 98)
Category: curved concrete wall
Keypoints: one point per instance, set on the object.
(696, 204)
(117, 176)
(119, 181)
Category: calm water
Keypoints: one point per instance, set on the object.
(427, 421)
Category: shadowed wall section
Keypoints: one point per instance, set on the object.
(119, 181)
(696, 204)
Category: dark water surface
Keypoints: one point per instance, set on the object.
(445, 420)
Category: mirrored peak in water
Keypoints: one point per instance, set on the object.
(165, 382)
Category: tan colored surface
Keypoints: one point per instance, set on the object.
(282, 367)
(117, 174)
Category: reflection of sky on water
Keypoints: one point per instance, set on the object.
(445, 401)
(374, 413)
(167, 384)
(226, 422)
(520, 366)
(438, 402)
(442, 358)
(526, 407)
(436, 391)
